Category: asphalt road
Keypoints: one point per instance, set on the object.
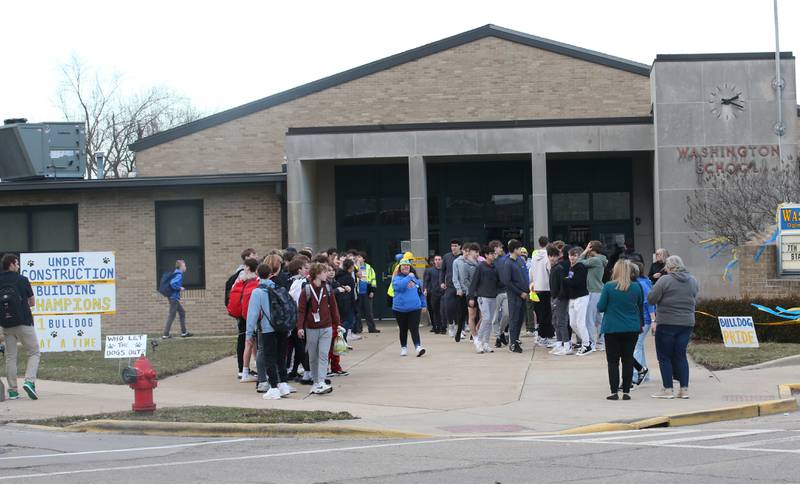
(765, 449)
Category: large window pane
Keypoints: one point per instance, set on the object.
(464, 209)
(570, 206)
(54, 230)
(394, 211)
(359, 211)
(179, 235)
(180, 225)
(611, 206)
(13, 231)
(505, 209)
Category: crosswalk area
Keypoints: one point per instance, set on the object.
(749, 440)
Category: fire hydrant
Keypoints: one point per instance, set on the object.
(142, 378)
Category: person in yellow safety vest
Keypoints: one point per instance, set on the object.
(366, 292)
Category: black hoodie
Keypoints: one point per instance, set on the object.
(557, 274)
(576, 285)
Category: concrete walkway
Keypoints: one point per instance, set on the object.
(449, 391)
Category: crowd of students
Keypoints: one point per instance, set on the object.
(573, 300)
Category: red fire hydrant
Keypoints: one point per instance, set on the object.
(142, 378)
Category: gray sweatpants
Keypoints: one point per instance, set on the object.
(175, 307)
(560, 317)
(27, 336)
(488, 306)
(318, 345)
(500, 319)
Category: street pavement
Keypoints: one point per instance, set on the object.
(451, 391)
(756, 450)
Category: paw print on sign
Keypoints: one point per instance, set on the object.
(30, 263)
(54, 334)
(106, 260)
(80, 332)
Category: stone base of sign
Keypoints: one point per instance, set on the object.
(760, 279)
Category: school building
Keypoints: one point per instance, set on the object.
(488, 134)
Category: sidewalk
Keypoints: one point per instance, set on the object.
(449, 391)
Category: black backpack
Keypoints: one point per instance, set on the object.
(11, 309)
(282, 310)
(229, 285)
(164, 287)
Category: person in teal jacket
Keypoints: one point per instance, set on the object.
(621, 304)
(407, 305)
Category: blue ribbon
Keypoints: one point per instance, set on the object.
(765, 244)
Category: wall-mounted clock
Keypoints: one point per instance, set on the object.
(727, 102)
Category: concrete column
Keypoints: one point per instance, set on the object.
(300, 203)
(539, 195)
(418, 205)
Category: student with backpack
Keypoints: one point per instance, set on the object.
(16, 319)
(317, 313)
(172, 286)
(238, 301)
(263, 318)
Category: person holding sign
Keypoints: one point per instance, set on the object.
(16, 300)
(675, 297)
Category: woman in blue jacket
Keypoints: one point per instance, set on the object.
(621, 304)
(407, 306)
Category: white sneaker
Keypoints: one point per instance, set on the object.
(403, 351)
(420, 351)
(351, 336)
(321, 389)
(550, 342)
(272, 394)
(451, 332)
(262, 387)
(567, 350)
(247, 378)
(556, 348)
(487, 348)
(285, 389)
(478, 347)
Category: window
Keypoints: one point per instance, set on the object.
(611, 205)
(47, 228)
(179, 235)
(568, 207)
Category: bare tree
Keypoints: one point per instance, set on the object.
(115, 120)
(740, 208)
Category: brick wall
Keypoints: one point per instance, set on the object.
(760, 279)
(489, 79)
(124, 221)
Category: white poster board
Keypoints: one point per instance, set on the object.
(126, 346)
(68, 333)
(71, 282)
(738, 332)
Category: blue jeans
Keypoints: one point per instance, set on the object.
(638, 352)
(671, 343)
(349, 320)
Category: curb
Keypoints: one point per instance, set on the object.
(788, 390)
(236, 430)
(780, 362)
(770, 407)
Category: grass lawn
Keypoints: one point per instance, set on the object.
(172, 356)
(715, 356)
(208, 415)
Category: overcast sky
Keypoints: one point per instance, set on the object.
(223, 54)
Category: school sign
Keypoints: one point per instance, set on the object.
(789, 239)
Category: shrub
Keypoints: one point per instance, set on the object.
(707, 329)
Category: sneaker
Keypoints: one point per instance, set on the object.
(626, 396)
(341, 372)
(600, 347)
(515, 347)
(354, 337)
(503, 339)
(585, 350)
(478, 347)
(556, 348)
(665, 393)
(272, 394)
(529, 333)
(487, 348)
(498, 343)
(420, 351)
(550, 343)
(450, 331)
(186, 334)
(613, 396)
(13, 395)
(568, 350)
(30, 389)
(247, 378)
(285, 389)
(403, 351)
(641, 376)
(263, 387)
(682, 393)
(374, 331)
(321, 389)
(166, 336)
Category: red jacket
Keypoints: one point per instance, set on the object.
(240, 297)
(328, 311)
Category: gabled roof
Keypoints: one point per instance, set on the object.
(388, 63)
